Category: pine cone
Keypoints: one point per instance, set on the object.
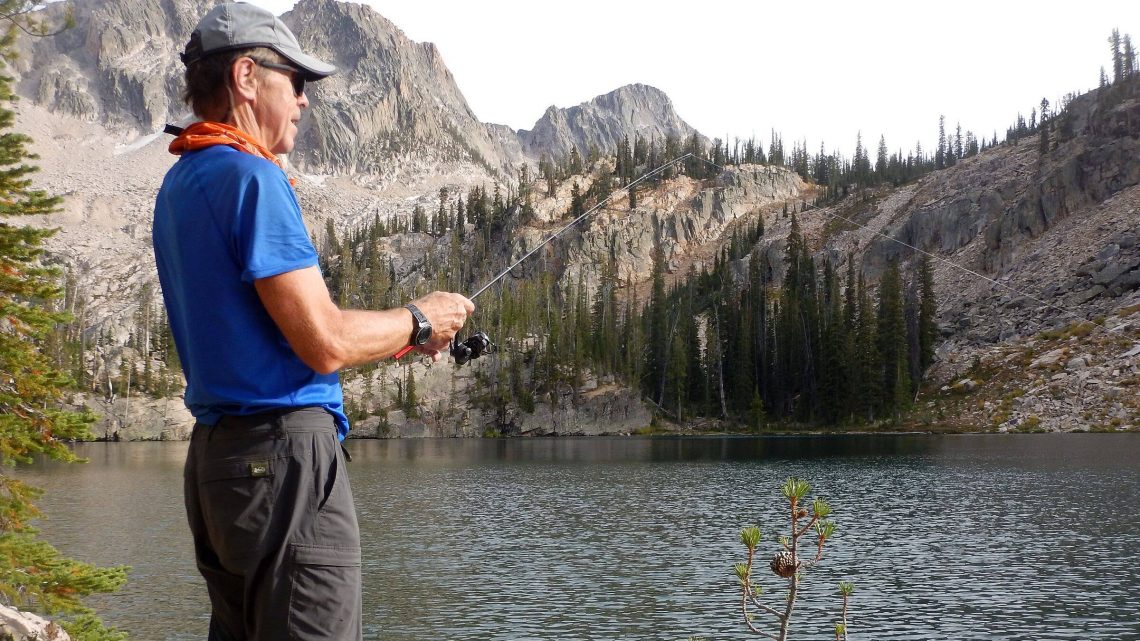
(782, 564)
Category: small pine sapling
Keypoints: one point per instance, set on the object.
(787, 562)
(845, 590)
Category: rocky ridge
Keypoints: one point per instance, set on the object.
(393, 105)
(1028, 248)
(1054, 240)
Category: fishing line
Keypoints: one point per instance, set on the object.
(591, 210)
(943, 260)
(480, 343)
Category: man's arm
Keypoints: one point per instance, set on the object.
(327, 338)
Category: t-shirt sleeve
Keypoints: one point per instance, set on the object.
(270, 234)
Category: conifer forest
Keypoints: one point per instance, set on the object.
(727, 341)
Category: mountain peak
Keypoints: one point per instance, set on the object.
(392, 98)
(602, 122)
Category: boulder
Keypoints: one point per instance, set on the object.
(1108, 252)
(25, 626)
(1085, 296)
(1049, 359)
(965, 385)
(1077, 364)
(1114, 270)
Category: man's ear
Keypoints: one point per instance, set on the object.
(243, 78)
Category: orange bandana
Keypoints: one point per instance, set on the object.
(207, 134)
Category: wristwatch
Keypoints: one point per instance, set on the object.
(421, 326)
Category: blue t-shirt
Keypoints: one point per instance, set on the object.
(222, 220)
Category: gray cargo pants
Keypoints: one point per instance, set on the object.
(275, 530)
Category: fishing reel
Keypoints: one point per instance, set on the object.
(475, 346)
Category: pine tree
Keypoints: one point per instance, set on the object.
(849, 346)
(867, 381)
(33, 574)
(797, 331)
(1128, 57)
(892, 341)
(1117, 56)
(927, 314)
(832, 370)
(442, 216)
(575, 161)
(1043, 144)
(656, 331)
(640, 150)
(577, 201)
(775, 149)
(881, 161)
(940, 153)
(680, 358)
(694, 167)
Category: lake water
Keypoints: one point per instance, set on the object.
(945, 537)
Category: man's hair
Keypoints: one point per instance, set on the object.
(207, 81)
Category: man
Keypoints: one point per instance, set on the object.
(260, 340)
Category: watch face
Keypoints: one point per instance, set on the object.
(423, 334)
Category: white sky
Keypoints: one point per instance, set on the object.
(821, 70)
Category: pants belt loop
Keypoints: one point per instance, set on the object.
(279, 426)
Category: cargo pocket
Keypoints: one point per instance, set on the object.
(324, 602)
(236, 499)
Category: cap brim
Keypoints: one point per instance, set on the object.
(314, 69)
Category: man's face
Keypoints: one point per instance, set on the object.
(278, 107)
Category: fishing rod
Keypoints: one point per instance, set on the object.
(479, 343)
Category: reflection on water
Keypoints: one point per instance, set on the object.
(949, 537)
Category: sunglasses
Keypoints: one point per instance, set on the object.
(295, 74)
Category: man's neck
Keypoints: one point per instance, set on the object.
(241, 117)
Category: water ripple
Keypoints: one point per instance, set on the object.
(964, 538)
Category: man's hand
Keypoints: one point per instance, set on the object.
(447, 312)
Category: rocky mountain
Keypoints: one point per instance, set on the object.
(601, 123)
(394, 104)
(384, 134)
(1051, 239)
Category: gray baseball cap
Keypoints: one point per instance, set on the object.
(239, 25)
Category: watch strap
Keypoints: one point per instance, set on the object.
(419, 321)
